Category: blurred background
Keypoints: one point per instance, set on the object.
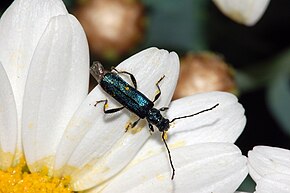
(216, 54)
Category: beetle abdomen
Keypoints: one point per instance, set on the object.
(125, 94)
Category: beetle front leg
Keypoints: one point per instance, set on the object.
(151, 128)
(164, 109)
(132, 125)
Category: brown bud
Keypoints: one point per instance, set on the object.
(204, 72)
(113, 27)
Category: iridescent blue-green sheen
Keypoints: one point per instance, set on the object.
(125, 94)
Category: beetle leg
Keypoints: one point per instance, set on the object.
(159, 90)
(108, 111)
(133, 79)
(164, 109)
(151, 128)
(132, 125)
(135, 123)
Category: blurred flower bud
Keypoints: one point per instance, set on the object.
(204, 72)
(113, 27)
(247, 12)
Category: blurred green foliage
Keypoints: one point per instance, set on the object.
(278, 97)
(178, 26)
(248, 185)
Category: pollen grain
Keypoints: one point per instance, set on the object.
(19, 180)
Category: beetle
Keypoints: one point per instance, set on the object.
(135, 101)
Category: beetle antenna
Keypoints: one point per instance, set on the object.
(186, 116)
(169, 155)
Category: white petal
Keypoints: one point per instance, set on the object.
(222, 124)
(21, 27)
(200, 168)
(274, 183)
(57, 83)
(8, 121)
(247, 12)
(98, 140)
(265, 160)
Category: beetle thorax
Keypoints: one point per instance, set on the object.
(154, 117)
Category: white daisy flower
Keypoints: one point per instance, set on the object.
(44, 77)
(270, 169)
(247, 12)
(66, 140)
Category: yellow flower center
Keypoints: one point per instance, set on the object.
(19, 180)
